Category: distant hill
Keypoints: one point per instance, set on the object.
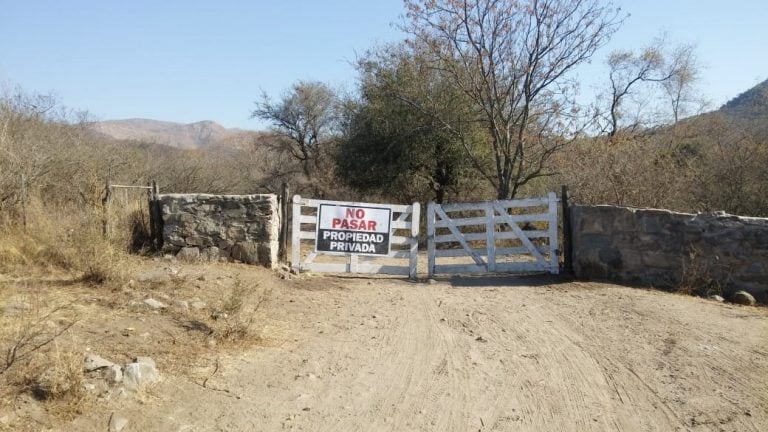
(202, 134)
(750, 106)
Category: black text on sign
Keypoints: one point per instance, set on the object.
(358, 230)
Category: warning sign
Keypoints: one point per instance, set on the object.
(354, 230)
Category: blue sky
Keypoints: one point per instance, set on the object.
(187, 61)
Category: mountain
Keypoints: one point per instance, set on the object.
(750, 106)
(197, 135)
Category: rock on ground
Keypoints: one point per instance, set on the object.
(139, 374)
(94, 362)
(113, 374)
(743, 298)
(117, 423)
(155, 304)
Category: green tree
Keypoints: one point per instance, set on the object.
(406, 134)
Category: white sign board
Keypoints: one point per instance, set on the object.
(353, 230)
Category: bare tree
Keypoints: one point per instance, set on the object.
(511, 58)
(305, 117)
(657, 66)
(683, 74)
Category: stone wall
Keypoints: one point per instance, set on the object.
(666, 249)
(241, 228)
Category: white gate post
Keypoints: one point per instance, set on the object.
(414, 253)
(431, 239)
(554, 262)
(296, 234)
(490, 240)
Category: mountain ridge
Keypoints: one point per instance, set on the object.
(195, 135)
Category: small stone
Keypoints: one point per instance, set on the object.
(113, 374)
(717, 298)
(197, 305)
(155, 304)
(181, 304)
(217, 315)
(481, 339)
(94, 362)
(97, 387)
(431, 281)
(137, 375)
(202, 278)
(117, 423)
(743, 298)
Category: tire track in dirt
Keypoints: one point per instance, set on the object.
(387, 355)
(563, 380)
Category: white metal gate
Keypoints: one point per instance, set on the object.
(491, 234)
(404, 240)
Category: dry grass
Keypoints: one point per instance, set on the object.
(65, 239)
(696, 277)
(39, 358)
(234, 318)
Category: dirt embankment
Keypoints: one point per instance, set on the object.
(505, 354)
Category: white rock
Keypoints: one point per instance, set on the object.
(113, 374)
(182, 304)
(197, 305)
(743, 298)
(117, 423)
(137, 375)
(146, 360)
(94, 362)
(155, 304)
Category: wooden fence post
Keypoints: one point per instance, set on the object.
(282, 251)
(157, 217)
(567, 233)
(105, 206)
(151, 198)
(24, 202)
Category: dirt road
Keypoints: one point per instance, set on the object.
(477, 355)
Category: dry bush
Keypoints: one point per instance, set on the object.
(56, 377)
(706, 165)
(697, 277)
(233, 319)
(64, 238)
(38, 358)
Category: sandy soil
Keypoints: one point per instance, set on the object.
(503, 354)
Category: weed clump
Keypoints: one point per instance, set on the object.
(233, 320)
